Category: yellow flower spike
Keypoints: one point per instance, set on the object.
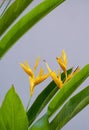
(27, 68)
(62, 61)
(54, 76)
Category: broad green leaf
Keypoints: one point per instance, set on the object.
(67, 90)
(12, 13)
(41, 124)
(70, 109)
(13, 113)
(43, 98)
(26, 22)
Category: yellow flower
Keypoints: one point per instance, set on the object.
(34, 80)
(62, 61)
(54, 76)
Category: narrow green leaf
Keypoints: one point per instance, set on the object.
(70, 109)
(43, 99)
(41, 124)
(26, 23)
(14, 115)
(12, 13)
(4, 6)
(67, 90)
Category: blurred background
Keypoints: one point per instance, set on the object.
(66, 27)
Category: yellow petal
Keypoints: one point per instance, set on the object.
(27, 69)
(56, 79)
(71, 75)
(62, 65)
(62, 61)
(26, 64)
(68, 78)
(64, 57)
(36, 63)
(40, 79)
(49, 70)
(54, 76)
(59, 74)
(41, 72)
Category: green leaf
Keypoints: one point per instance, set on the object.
(70, 109)
(41, 124)
(26, 22)
(67, 90)
(12, 13)
(42, 100)
(2, 126)
(13, 113)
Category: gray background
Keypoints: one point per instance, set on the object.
(66, 27)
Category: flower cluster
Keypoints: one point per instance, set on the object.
(35, 80)
(62, 61)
